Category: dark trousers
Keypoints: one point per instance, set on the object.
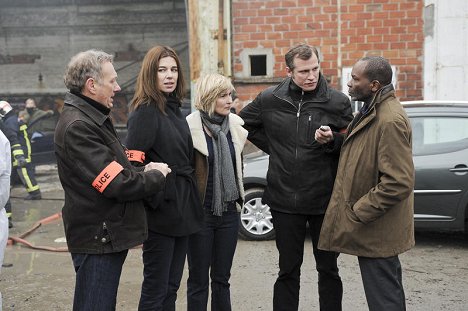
(97, 280)
(163, 260)
(290, 236)
(214, 247)
(382, 279)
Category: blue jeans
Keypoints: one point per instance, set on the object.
(290, 232)
(214, 247)
(164, 260)
(97, 280)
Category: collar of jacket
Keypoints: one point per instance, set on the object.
(238, 133)
(320, 94)
(82, 105)
(380, 96)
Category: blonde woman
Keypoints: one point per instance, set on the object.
(218, 139)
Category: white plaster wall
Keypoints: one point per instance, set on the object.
(446, 51)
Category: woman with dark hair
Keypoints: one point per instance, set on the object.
(157, 128)
(218, 139)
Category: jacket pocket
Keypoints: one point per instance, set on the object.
(350, 213)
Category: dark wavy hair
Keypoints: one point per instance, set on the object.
(146, 89)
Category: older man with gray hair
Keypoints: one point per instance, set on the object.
(103, 213)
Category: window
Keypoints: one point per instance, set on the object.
(258, 65)
(436, 135)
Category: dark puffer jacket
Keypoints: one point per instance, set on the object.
(89, 153)
(282, 121)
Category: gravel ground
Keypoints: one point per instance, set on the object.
(435, 272)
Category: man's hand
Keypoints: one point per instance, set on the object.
(323, 134)
(21, 160)
(162, 167)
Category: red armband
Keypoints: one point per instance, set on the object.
(106, 176)
(135, 155)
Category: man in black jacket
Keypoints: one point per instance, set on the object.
(283, 121)
(103, 213)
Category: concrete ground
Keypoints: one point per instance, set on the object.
(435, 272)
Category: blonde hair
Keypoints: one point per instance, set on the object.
(208, 89)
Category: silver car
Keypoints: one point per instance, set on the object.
(440, 155)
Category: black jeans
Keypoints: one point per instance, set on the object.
(383, 284)
(163, 260)
(213, 247)
(290, 236)
(97, 280)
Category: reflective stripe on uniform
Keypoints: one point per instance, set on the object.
(23, 172)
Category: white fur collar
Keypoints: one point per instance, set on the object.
(238, 133)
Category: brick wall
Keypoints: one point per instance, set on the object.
(389, 28)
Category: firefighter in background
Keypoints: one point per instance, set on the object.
(20, 150)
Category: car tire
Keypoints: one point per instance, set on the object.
(255, 221)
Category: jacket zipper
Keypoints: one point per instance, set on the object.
(297, 137)
(297, 122)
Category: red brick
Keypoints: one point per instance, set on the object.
(251, 44)
(364, 16)
(257, 20)
(381, 31)
(381, 46)
(291, 35)
(408, 37)
(267, 43)
(374, 38)
(286, 4)
(357, 24)
(241, 37)
(281, 27)
(408, 21)
(280, 12)
(241, 21)
(391, 22)
(397, 30)
(356, 8)
(257, 36)
(249, 13)
(407, 6)
(374, 23)
(289, 19)
(282, 43)
(349, 16)
(249, 28)
(321, 18)
(373, 7)
(380, 15)
(274, 36)
(398, 45)
(329, 9)
(391, 38)
(265, 12)
(273, 20)
(297, 27)
(265, 28)
(390, 7)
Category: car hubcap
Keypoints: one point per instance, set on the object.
(256, 217)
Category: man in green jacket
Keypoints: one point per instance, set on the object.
(370, 214)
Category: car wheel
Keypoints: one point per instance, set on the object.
(255, 217)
